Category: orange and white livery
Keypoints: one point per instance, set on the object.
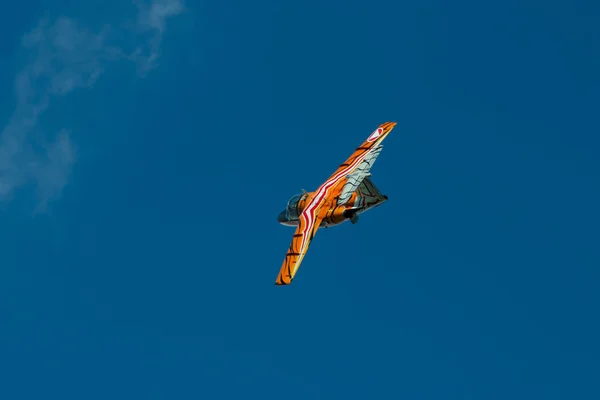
(346, 194)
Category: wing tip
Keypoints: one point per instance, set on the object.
(281, 282)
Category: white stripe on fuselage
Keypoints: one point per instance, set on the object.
(308, 212)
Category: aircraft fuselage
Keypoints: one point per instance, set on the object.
(357, 204)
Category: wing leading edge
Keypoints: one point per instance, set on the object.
(357, 167)
(304, 234)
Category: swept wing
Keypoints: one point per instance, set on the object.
(304, 234)
(357, 167)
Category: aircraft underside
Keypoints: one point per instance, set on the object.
(365, 197)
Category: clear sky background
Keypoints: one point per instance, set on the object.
(146, 151)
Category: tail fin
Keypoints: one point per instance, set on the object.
(368, 195)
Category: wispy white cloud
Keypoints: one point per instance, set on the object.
(151, 21)
(65, 55)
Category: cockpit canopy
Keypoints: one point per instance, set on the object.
(291, 211)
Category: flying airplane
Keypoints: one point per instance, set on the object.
(344, 196)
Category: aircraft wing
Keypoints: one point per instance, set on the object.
(361, 172)
(356, 168)
(309, 223)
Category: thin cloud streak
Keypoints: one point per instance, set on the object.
(64, 55)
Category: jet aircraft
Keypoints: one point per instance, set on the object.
(347, 193)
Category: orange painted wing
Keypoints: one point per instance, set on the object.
(351, 172)
(304, 234)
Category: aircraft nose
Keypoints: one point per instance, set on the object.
(281, 218)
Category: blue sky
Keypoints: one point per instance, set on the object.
(147, 148)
